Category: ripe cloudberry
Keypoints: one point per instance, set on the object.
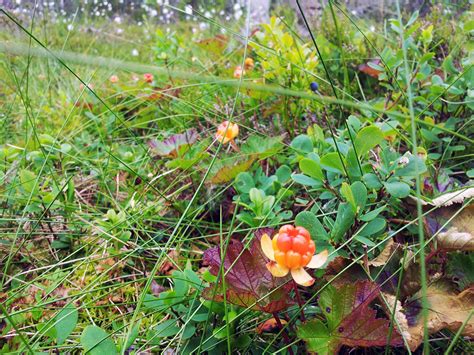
(293, 247)
(227, 131)
(290, 250)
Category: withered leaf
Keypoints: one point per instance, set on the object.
(447, 310)
(387, 252)
(458, 233)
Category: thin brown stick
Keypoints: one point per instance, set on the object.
(298, 299)
(285, 336)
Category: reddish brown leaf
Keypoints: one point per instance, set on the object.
(367, 69)
(269, 326)
(169, 264)
(248, 283)
(350, 320)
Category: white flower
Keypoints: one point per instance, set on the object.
(188, 9)
(238, 14)
(70, 27)
(404, 161)
(135, 53)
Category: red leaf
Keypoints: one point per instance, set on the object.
(350, 320)
(248, 283)
(367, 69)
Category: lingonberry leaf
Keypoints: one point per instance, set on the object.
(248, 283)
(350, 320)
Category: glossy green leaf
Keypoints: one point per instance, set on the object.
(359, 192)
(353, 162)
(28, 180)
(332, 162)
(302, 143)
(374, 227)
(344, 220)
(415, 166)
(311, 168)
(244, 182)
(309, 221)
(368, 138)
(283, 174)
(372, 181)
(166, 329)
(372, 214)
(364, 240)
(305, 180)
(397, 189)
(346, 192)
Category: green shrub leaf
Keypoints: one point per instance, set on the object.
(96, 341)
(368, 138)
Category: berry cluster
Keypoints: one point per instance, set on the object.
(293, 247)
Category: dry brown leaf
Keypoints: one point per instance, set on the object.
(401, 321)
(389, 249)
(446, 311)
(453, 197)
(169, 264)
(454, 240)
(459, 232)
(454, 228)
(449, 198)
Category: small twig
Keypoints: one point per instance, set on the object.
(366, 259)
(399, 221)
(234, 146)
(285, 336)
(333, 190)
(431, 255)
(298, 299)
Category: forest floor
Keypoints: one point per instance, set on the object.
(211, 187)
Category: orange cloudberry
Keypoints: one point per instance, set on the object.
(290, 250)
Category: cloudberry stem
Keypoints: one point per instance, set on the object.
(234, 146)
(285, 336)
(298, 299)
